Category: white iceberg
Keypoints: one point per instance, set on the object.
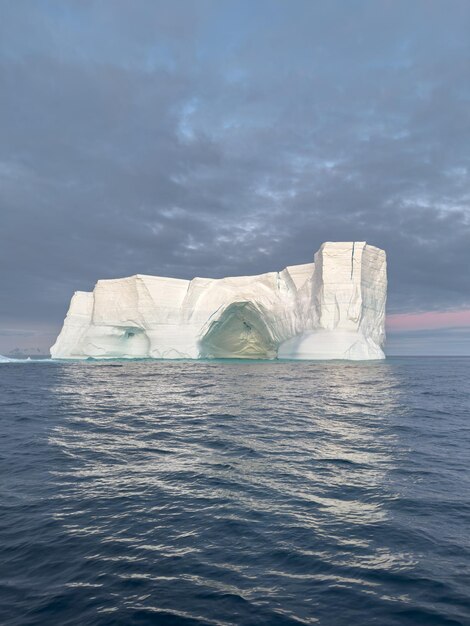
(333, 308)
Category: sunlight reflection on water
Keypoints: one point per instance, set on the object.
(264, 489)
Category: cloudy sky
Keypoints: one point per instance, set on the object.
(219, 137)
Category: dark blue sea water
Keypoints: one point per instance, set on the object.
(186, 493)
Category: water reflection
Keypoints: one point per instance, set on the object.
(221, 473)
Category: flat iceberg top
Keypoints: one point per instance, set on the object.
(296, 269)
(275, 314)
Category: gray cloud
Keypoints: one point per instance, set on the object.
(215, 138)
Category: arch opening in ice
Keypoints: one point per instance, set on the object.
(239, 333)
(116, 341)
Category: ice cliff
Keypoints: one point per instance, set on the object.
(333, 308)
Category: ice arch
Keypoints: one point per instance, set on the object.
(239, 333)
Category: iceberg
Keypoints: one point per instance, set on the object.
(333, 308)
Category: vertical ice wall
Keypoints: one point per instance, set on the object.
(76, 325)
(347, 316)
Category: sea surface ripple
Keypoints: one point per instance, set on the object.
(184, 493)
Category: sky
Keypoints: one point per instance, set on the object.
(216, 137)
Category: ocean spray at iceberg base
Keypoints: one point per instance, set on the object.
(333, 308)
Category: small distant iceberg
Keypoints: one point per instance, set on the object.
(26, 359)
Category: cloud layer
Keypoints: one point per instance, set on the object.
(217, 137)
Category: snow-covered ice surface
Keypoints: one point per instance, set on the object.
(333, 308)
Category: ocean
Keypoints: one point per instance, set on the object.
(247, 493)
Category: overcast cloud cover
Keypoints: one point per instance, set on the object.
(206, 137)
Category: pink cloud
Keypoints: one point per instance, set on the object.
(428, 320)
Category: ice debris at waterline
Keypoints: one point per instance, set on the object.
(333, 308)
